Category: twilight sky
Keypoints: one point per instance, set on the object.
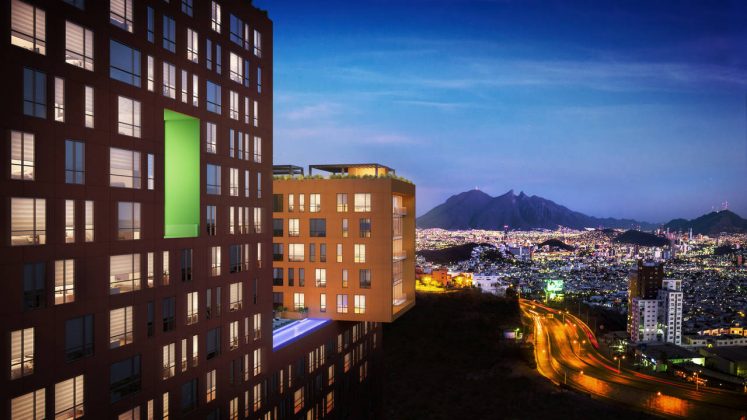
(621, 110)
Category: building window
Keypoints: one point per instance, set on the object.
(258, 159)
(120, 14)
(236, 67)
(29, 406)
(69, 221)
(359, 255)
(256, 114)
(28, 225)
(362, 202)
(124, 273)
(257, 43)
(78, 46)
(210, 222)
(69, 400)
(259, 80)
(210, 386)
(187, 8)
(364, 228)
(128, 221)
(22, 156)
(215, 17)
(74, 162)
(236, 297)
(213, 179)
(344, 278)
(293, 228)
(298, 301)
(168, 312)
(323, 302)
(186, 264)
(88, 107)
(28, 27)
(78, 338)
(322, 252)
(233, 335)
(64, 281)
(213, 97)
(257, 220)
(295, 252)
(277, 228)
(128, 121)
(124, 63)
(120, 327)
(151, 171)
(195, 90)
(124, 168)
(211, 137)
(320, 275)
(233, 182)
(339, 253)
(151, 24)
(364, 278)
(213, 343)
(59, 99)
(34, 291)
(169, 34)
(215, 261)
(193, 46)
(124, 378)
(315, 203)
(360, 304)
(257, 361)
(233, 109)
(21, 353)
(169, 361)
(342, 203)
(342, 304)
(34, 93)
(277, 273)
(193, 310)
(169, 80)
(189, 396)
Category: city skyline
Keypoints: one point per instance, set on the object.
(633, 111)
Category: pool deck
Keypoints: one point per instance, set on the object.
(295, 330)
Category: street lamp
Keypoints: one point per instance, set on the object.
(619, 360)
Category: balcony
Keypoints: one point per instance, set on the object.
(399, 211)
(399, 255)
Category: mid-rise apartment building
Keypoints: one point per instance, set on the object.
(655, 305)
(344, 245)
(136, 197)
(670, 310)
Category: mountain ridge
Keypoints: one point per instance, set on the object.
(475, 209)
(711, 223)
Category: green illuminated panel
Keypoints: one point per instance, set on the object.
(182, 175)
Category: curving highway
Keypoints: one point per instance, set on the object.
(566, 353)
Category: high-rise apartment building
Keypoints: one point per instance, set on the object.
(654, 305)
(344, 245)
(134, 131)
(670, 310)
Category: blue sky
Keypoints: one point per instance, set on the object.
(619, 109)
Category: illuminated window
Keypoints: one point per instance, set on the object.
(22, 156)
(69, 221)
(69, 400)
(78, 46)
(34, 93)
(359, 255)
(124, 273)
(236, 67)
(298, 301)
(124, 168)
(64, 281)
(195, 90)
(213, 179)
(233, 109)
(213, 97)
(342, 202)
(257, 400)
(193, 313)
(329, 402)
(29, 406)
(257, 326)
(59, 99)
(315, 203)
(256, 114)
(21, 353)
(120, 14)
(320, 275)
(169, 361)
(28, 27)
(360, 304)
(342, 304)
(233, 335)
(215, 17)
(124, 63)
(128, 220)
(193, 46)
(88, 107)
(128, 117)
(169, 34)
(331, 375)
(169, 80)
(257, 356)
(323, 302)
(258, 220)
(298, 400)
(362, 202)
(233, 182)
(236, 297)
(215, 261)
(211, 137)
(28, 221)
(120, 327)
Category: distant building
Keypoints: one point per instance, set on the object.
(490, 284)
(670, 310)
(654, 305)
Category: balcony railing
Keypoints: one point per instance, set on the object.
(399, 255)
(399, 211)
